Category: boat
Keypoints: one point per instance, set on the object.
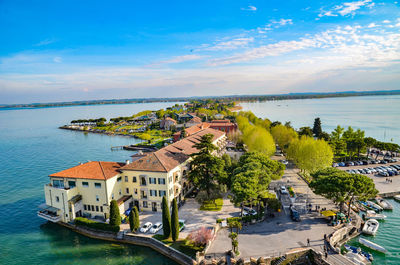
(357, 258)
(361, 207)
(371, 245)
(397, 198)
(373, 206)
(370, 227)
(373, 215)
(383, 203)
(359, 251)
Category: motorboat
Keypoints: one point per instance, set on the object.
(373, 215)
(359, 251)
(383, 203)
(397, 198)
(370, 227)
(371, 245)
(374, 206)
(361, 207)
(357, 258)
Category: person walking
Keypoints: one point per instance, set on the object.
(308, 242)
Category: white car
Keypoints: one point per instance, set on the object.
(146, 227)
(283, 190)
(156, 227)
(285, 162)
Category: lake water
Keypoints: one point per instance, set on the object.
(31, 148)
(377, 115)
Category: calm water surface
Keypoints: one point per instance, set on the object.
(378, 116)
(31, 148)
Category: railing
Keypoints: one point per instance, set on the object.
(49, 217)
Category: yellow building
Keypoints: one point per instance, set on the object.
(87, 189)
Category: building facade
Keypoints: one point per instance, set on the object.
(87, 189)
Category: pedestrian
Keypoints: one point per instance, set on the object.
(326, 254)
(308, 242)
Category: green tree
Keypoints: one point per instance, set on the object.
(136, 218)
(310, 155)
(363, 188)
(337, 142)
(166, 218)
(235, 243)
(317, 130)
(307, 131)
(207, 170)
(132, 220)
(115, 217)
(174, 221)
(283, 135)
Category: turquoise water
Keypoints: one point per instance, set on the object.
(377, 115)
(387, 236)
(31, 148)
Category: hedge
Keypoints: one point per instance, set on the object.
(80, 221)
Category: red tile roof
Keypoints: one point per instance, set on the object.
(172, 155)
(91, 170)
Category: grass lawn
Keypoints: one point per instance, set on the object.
(181, 245)
(212, 205)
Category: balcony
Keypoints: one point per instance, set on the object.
(49, 213)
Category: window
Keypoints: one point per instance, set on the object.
(162, 193)
(134, 179)
(161, 181)
(119, 179)
(85, 184)
(101, 208)
(58, 183)
(97, 185)
(120, 192)
(127, 190)
(71, 184)
(57, 199)
(92, 208)
(97, 208)
(135, 191)
(97, 198)
(84, 207)
(112, 196)
(143, 181)
(170, 179)
(144, 204)
(126, 178)
(153, 193)
(152, 180)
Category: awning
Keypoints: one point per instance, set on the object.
(76, 198)
(49, 208)
(328, 213)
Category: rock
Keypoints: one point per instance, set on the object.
(233, 261)
(253, 261)
(240, 261)
(260, 261)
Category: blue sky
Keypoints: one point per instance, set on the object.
(80, 50)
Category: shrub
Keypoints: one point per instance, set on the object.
(201, 236)
(174, 221)
(219, 220)
(115, 217)
(274, 204)
(166, 218)
(80, 221)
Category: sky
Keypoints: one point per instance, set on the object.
(52, 51)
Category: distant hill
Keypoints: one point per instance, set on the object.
(222, 98)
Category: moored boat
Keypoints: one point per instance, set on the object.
(373, 215)
(357, 258)
(371, 227)
(397, 198)
(383, 203)
(359, 251)
(361, 207)
(374, 206)
(371, 245)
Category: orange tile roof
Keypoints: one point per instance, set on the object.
(172, 155)
(195, 120)
(91, 170)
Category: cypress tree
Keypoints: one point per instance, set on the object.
(136, 218)
(166, 218)
(174, 221)
(115, 217)
(132, 220)
(317, 130)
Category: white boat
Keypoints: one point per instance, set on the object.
(371, 245)
(373, 215)
(384, 203)
(357, 258)
(374, 206)
(397, 198)
(371, 227)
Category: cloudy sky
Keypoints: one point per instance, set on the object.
(80, 50)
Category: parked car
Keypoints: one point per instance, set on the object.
(156, 227)
(335, 165)
(181, 224)
(373, 161)
(341, 164)
(283, 190)
(383, 174)
(146, 227)
(249, 211)
(365, 162)
(285, 162)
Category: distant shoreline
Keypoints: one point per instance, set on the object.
(237, 98)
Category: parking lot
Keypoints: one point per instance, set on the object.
(381, 184)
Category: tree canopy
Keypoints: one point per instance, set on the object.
(283, 135)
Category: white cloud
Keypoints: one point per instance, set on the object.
(57, 59)
(45, 42)
(372, 25)
(346, 8)
(226, 45)
(250, 8)
(180, 59)
(386, 21)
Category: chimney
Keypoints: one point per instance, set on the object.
(127, 162)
